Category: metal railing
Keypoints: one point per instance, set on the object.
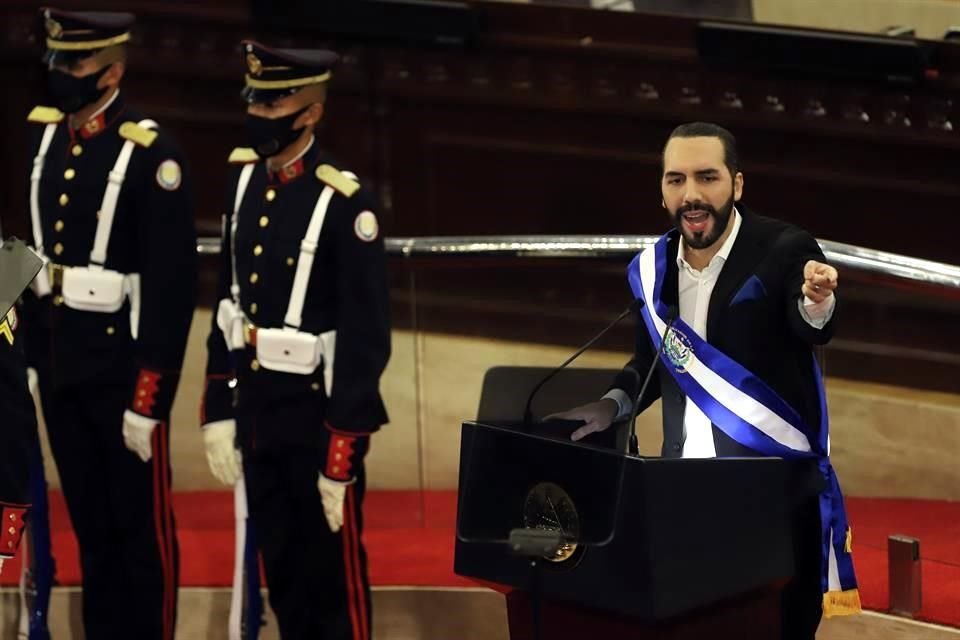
(886, 264)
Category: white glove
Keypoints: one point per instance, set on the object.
(332, 493)
(33, 381)
(137, 432)
(219, 438)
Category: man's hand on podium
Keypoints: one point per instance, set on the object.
(596, 416)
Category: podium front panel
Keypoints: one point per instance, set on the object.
(659, 537)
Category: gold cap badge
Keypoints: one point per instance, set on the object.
(254, 64)
(54, 30)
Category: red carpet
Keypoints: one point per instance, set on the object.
(409, 538)
(936, 524)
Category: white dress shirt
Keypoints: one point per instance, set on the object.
(695, 289)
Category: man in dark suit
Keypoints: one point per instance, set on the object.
(757, 293)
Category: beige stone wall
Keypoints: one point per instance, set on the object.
(930, 18)
(887, 441)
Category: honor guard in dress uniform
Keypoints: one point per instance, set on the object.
(112, 215)
(18, 435)
(21, 448)
(299, 341)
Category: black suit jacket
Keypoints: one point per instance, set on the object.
(753, 317)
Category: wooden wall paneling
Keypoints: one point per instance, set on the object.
(15, 154)
(224, 11)
(482, 171)
(550, 73)
(839, 154)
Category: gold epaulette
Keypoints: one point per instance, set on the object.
(243, 155)
(45, 115)
(331, 176)
(141, 135)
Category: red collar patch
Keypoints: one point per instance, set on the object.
(94, 126)
(290, 172)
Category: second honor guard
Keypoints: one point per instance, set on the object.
(302, 332)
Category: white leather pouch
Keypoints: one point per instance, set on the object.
(101, 291)
(289, 350)
(230, 320)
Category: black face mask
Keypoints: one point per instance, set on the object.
(268, 136)
(70, 94)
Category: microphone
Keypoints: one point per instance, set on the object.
(672, 315)
(527, 413)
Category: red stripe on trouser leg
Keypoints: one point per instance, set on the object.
(348, 573)
(170, 588)
(351, 525)
(158, 521)
(163, 521)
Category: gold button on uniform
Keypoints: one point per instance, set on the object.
(257, 250)
(264, 221)
(338, 457)
(58, 225)
(290, 262)
(270, 195)
(253, 308)
(254, 277)
(315, 386)
(110, 332)
(57, 301)
(76, 150)
(69, 174)
(255, 365)
(336, 468)
(64, 199)
(57, 249)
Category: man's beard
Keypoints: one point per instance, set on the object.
(704, 239)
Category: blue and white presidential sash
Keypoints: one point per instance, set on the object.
(745, 408)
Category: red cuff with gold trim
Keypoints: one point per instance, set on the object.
(12, 516)
(145, 395)
(344, 455)
(153, 393)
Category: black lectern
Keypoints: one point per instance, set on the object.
(18, 267)
(651, 547)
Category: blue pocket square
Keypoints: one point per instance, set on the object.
(752, 289)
